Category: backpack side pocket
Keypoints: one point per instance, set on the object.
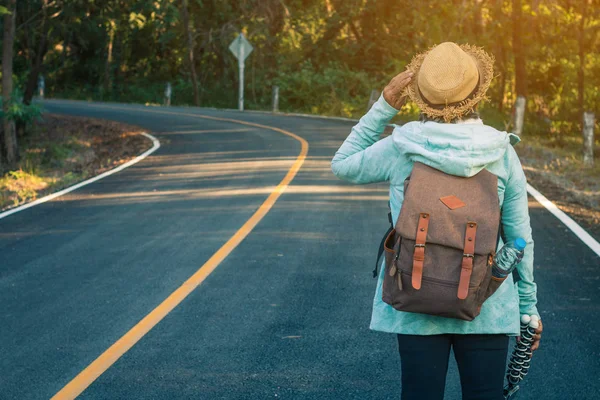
(493, 282)
(389, 247)
(391, 273)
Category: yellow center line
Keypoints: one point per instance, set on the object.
(85, 378)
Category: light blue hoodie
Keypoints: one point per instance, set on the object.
(461, 149)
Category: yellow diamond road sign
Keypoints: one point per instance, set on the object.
(240, 47)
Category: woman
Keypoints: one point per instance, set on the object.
(446, 82)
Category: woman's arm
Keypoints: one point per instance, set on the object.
(362, 158)
(516, 223)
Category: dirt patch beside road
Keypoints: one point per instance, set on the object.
(63, 150)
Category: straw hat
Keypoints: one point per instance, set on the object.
(450, 79)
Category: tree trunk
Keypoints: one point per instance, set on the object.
(580, 70)
(328, 7)
(520, 72)
(499, 20)
(501, 92)
(479, 21)
(1, 147)
(502, 65)
(109, 56)
(121, 51)
(355, 32)
(10, 137)
(39, 57)
(190, 40)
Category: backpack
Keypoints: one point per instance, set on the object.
(440, 253)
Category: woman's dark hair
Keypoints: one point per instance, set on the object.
(471, 115)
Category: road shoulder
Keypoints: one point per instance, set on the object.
(64, 150)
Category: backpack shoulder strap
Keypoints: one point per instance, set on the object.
(382, 244)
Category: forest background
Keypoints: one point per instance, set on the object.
(326, 56)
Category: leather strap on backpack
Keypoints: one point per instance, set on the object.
(419, 254)
(467, 261)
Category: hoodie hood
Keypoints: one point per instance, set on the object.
(461, 149)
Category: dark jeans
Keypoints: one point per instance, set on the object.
(481, 362)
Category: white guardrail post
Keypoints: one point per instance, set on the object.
(275, 99)
(588, 139)
(519, 115)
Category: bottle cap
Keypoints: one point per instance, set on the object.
(520, 244)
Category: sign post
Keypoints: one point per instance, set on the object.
(241, 48)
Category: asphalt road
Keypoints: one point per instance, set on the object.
(284, 316)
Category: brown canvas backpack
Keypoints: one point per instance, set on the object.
(439, 256)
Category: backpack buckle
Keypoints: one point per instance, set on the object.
(419, 245)
(469, 255)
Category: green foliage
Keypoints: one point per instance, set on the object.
(19, 185)
(493, 117)
(19, 112)
(334, 90)
(326, 56)
(26, 114)
(55, 154)
(39, 154)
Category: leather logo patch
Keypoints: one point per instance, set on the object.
(452, 202)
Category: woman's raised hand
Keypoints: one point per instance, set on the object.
(392, 93)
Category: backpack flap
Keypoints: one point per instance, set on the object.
(424, 193)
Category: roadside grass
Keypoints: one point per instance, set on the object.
(62, 150)
(20, 186)
(41, 169)
(559, 160)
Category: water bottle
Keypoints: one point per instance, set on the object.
(508, 257)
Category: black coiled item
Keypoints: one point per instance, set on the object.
(520, 361)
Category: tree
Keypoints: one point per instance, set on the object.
(109, 57)
(519, 55)
(3, 11)
(326, 56)
(10, 137)
(581, 38)
(190, 44)
(38, 58)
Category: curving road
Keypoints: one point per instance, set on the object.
(285, 315)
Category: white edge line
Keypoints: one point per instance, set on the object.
(155, 146)
(565, 219)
